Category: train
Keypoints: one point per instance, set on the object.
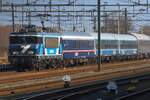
(43, 50)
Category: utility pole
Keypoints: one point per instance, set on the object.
(22, 20)
(105, 17)
(126, 21)
(74, 16)
(118, 18)
(29, 18)
(99, 34)
(59, 24)
(118, 27)
(27, 2)
(13, 17)
(50, 3)
(1, 4)
(147, 2)
(138, 1)
(84, 22)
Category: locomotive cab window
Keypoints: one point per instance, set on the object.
(51, 42)
(25, 40)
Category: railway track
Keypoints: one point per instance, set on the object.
(42, 83)
(14, 77)
(76, 92)
(136, 95)
(74, 67)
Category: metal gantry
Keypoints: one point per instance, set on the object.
(60, 11)
(71, 11)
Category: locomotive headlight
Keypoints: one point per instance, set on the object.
(15, 52)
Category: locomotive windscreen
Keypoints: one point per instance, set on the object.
(51, 42)
(25, 40)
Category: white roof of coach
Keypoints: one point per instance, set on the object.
(141, 36)
(76, 35)
(125, 37)
(104, 36)
(112, 36)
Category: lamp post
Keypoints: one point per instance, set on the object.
(13, 17)
(99, 33)
(1, 4)
(118, 27)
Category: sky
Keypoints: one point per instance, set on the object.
(5, 18)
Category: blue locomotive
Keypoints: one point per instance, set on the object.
(34, 50)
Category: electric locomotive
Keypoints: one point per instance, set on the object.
(35, 50)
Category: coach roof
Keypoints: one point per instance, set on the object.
(125, 37)
(141, 36)
(76, 35)
(104, 36)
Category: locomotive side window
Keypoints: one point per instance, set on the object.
(51, 42)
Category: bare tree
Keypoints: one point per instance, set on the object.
(110, 25)
(145, 30)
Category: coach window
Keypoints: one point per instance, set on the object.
(51, 42)
(66, 44)
(107, 44)
(102, 44)
(84, 44)
(96, 44)
(91, 44)
(110, 44)
(78, 44)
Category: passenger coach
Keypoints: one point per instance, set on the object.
(78, 48)
(116, 46)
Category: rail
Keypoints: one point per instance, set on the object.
(42, 83)
(63, 94)
(135, 94)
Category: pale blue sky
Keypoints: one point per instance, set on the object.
(7, 16)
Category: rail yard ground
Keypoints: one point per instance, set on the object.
(15, 83)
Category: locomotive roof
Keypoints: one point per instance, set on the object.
(38, 34)
(76, 34)
(141, 36)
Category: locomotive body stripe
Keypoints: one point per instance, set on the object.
(71, 51)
